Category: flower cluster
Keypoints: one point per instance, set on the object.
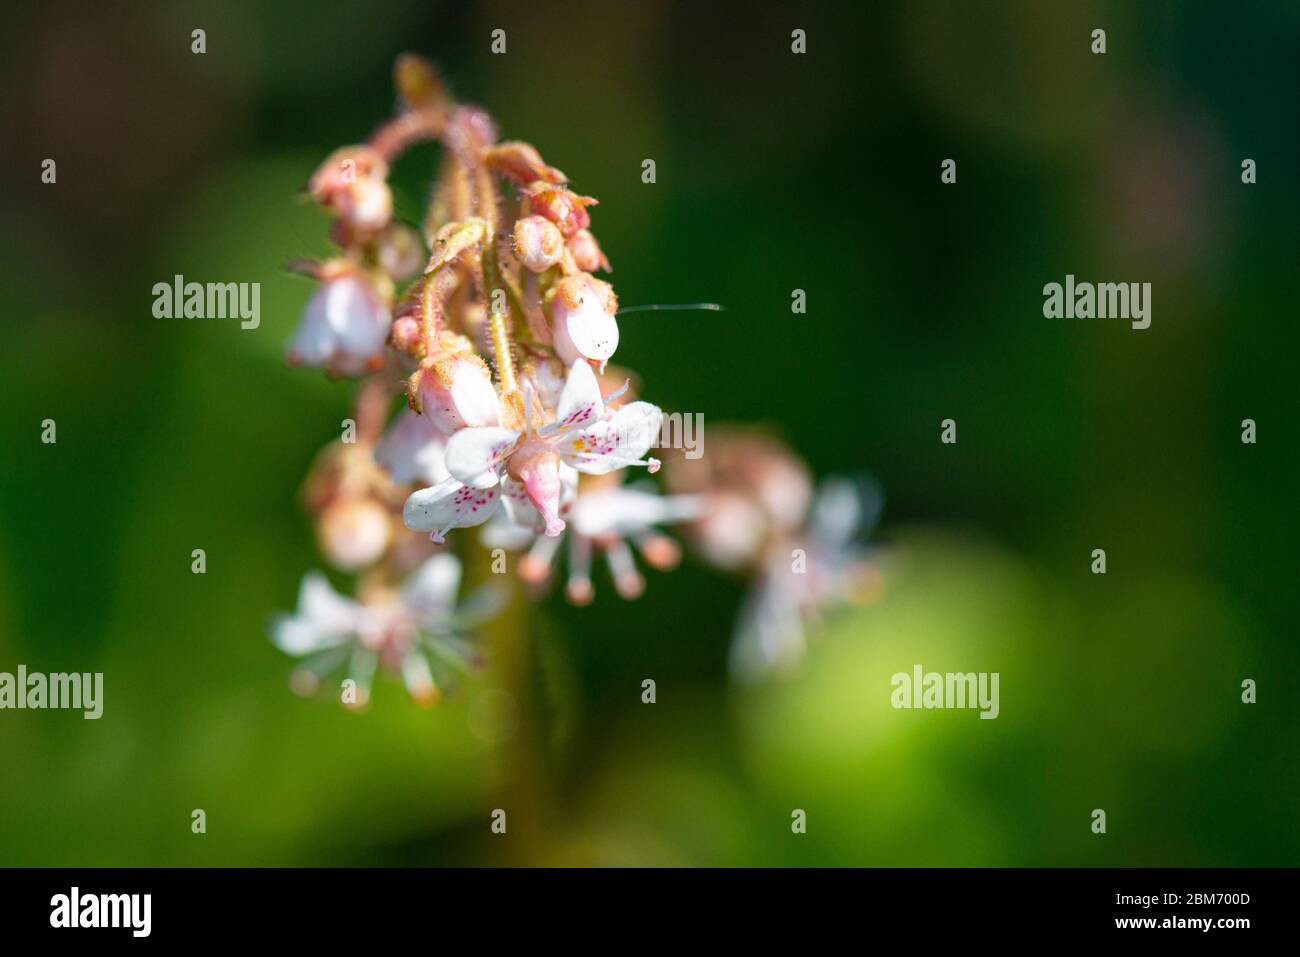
(490, 319)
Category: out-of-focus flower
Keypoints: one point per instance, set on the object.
(807, 576)
(804, 554)
(756, 491)
(414, 450)
(408, 630)
(344, 326)
(354, 532)
(353, 184)
(354, 504)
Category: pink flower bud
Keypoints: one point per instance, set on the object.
(587, 254)
(538, 243)
(565, 208)
(406, 334)
(417, 82)
(353, 184)
(354, 533)
(455, 391)
(583, 314)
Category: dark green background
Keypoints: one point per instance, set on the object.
(775, 172)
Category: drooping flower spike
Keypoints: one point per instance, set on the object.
(493, 315)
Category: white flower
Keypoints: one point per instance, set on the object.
(406, 630)
(343, 328)
(531, 468)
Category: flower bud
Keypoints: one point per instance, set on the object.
(565, 208)
(583, 314)
(455, 390)
(406, 334)
(343, 327)
(586, 252)
(417, 82)
(538, 243)
(353, 533)
(353, 184)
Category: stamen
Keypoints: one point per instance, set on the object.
(535, 567)
(660, 551)
(579, 590)
(627, 579)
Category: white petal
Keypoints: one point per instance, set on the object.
(474, 398)
(587, 331)
(621, 440)
(475, 456)
(843, 509)
(448, 505)
(623, 511)
(314, 341)
(299, 636)
(358, 317)
(432, 587)
(418, 677)
(319, 603)
(503, 532)
(769, 632)
(548, 380)
(580, 402)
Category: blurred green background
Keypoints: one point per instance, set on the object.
(775, 172)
